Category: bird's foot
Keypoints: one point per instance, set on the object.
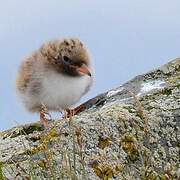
(43, 113)
(71, 112)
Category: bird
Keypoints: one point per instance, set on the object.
(55, 76)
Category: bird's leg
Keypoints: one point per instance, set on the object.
(69, 113)
(95, 101)
(72, 112)
(43, 113)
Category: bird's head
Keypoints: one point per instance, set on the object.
(68, 56)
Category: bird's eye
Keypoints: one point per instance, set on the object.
(67, 60)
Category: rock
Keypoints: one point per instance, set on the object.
(131, 132)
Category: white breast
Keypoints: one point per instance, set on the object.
(61, 91)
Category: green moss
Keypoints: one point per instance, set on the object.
(147, 98)
(34, 127)
(44, 142)
(166, 91)
(28, 130)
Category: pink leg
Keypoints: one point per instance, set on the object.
(72, 112)
(43, 119)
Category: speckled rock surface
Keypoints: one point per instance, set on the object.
(131, 132)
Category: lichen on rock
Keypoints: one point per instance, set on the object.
(131, 132)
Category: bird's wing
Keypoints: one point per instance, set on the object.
(24, 75)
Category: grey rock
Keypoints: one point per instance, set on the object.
(131, 132)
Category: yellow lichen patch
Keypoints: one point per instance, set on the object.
(44, 141)
(2, 134)
(105, 170)
(50, 135)
(129, 145)
(1, 171)
(118, 168)
(104, 142)
(42, 164)
(40, 148)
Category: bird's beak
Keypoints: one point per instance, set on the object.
(84, 69)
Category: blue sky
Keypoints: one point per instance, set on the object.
(125, 38)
